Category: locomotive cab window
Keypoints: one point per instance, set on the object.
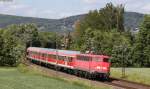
(105, 60)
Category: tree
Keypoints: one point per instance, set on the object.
(99, 21)
(66, 41)
(120, 18)
(1, 46)
(15, 39)
(48, 39)
(121, 56)
(11, 51)
(27, 34)
(141, 47)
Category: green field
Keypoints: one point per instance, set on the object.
(21, 78)
(141, 75)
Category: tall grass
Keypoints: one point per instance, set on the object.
(24, 77)
(141, 75)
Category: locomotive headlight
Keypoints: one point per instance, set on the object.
(104, 68)
(98, 67)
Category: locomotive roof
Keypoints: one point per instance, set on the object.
(92, 55)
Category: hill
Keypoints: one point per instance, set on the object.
(132, 20)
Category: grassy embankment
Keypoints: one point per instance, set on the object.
(141, 75)
(23, 78)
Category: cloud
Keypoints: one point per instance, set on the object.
(145, 8)
(18, 7)
(12, 7)
(90, 1)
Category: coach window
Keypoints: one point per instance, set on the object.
(61, 57)
(86, 58)
(49, 56)
(45, 55)
(32, 53)
(42, 55)
(53, 56)
(79, 57)
(70, 59)
(89, 58)
(64, 58)
(38, 54)
(35, 53)
(82, 58)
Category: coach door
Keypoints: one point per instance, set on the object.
(66, 60)
(69, 61)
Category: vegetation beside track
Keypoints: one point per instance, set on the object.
(24, 78)
(140, 75)
(100, 32)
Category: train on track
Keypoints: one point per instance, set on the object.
(88, 64)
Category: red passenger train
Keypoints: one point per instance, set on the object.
(88, 63)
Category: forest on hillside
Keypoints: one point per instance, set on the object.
(132, 21)
(99, 32)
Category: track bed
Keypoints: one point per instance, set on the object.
(113, 82)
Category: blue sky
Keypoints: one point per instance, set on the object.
(56, 9)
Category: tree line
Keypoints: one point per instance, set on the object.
(15, 39)
(100, 32)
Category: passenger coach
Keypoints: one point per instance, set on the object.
(88, 63)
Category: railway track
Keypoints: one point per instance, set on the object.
(113, 82)
(129, 84)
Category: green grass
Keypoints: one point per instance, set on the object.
(141, 75)
(23, 78)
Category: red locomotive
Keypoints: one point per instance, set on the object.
(88, 63)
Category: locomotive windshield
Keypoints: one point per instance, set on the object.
(83, 58)
(97, 59)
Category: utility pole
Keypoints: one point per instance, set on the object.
(124, 50)
(56, 54)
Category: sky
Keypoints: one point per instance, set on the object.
(55, 9)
